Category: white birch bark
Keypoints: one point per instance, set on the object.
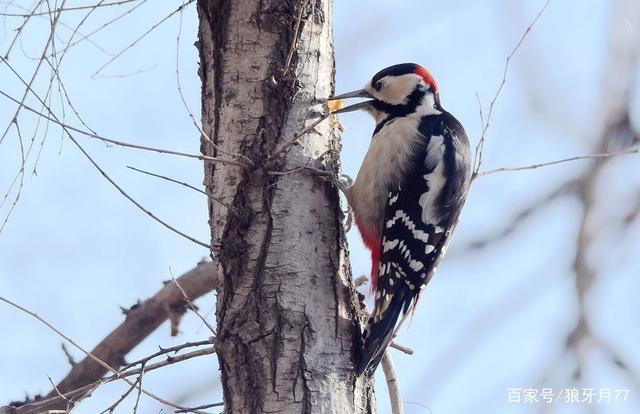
(287, 311)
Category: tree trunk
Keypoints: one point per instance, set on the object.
(287, 312)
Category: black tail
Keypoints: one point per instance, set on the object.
(379, 333)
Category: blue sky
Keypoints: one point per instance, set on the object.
(493, 318)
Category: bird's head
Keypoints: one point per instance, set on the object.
(399, 90)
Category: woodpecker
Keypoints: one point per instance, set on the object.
(408, 193)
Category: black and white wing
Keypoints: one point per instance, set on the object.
(419, 218)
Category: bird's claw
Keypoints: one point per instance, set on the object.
(349, 220)
(343, 182)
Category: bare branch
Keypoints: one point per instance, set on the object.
(477, 162)
(87, 353)
(167, 17)
(95, 164)
(401, 348)
(128, 197)
(166, 351)
(296, 137)
(69, 403)
(123, 397)
(135, 406)
(391, 376)
(68, 9)
(564, 160)
(193, 307)
(35, 72)
(87, 37)
(117, 142)
(140, 322)
(228, 206)
(201, 407)
(514, 223)
(45, 405)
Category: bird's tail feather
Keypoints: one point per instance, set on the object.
(379, 333)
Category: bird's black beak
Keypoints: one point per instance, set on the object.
(362, 93)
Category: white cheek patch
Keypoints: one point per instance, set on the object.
(396, 89)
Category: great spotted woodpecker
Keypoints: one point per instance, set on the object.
(408, 193)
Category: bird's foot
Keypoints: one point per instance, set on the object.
(342, 182)
(349, 220)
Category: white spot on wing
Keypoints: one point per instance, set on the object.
(388, 245)
(436, 180)
(416, 265)
(417, 234)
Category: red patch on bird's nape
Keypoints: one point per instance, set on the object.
(428, 78)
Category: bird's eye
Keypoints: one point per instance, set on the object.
(378, 85)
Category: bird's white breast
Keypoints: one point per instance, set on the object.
(384, 164)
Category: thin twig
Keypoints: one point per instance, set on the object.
(117, 375)
(228, 206)
(123, 397)
(135, 406)
(164, 351)
(193, 307)
(132, 44)
(477, 162)
(35, 72)
(402, 348)
(296, 137)
(120, 143)
(294, 40)
(70, 403)
(105, 25)
(561, 161)
(134, 201)
(66, 129)
(391, 376)
(200, 407)
(84, 390)
(21, 28)
(67, 9)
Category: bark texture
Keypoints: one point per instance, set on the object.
(287, 312)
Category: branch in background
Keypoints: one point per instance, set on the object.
(67, 129)
(477, 162)
(564, 160)
(520, 218)
(141, 320)
(616, 132)
(634, 213)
